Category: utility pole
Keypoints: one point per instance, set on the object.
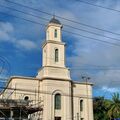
(87, 96)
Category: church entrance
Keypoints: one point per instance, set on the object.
(57, 118)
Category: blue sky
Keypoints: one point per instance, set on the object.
(20, 40)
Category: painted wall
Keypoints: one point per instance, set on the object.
(42, 92)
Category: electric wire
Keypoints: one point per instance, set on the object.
(69, 26)
(2, 67)
(100, 6)
(70, 20)
(91, 38)
(7, 63)
(82, 67)
(46, 92)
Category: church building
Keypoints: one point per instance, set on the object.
(52, 89)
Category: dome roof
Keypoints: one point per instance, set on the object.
(54, 20)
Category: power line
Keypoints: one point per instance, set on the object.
(26, 13)
(103, 66)
(82, 67)
(35, 9)
(44, 92)
(5, 62)
(95, 66)
(89, 3)
(93, 69)
(115, 44)
(22, 18)
(3, 65)
(89, 67)
(92, 32)
(91, 38)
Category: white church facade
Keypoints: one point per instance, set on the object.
(52, 89)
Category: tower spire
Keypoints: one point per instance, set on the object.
(54, 52)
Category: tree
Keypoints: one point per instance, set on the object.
(114, 107)
(105, 109)
(100, 108)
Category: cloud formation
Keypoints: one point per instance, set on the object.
(7, 35)
(26, 44)
(98, 60)
(5, 30)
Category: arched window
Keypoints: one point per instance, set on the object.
(55, 33)
(48, 35)
(58, 101)
(81, 105)
(56, 55)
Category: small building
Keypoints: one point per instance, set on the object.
(52, 90)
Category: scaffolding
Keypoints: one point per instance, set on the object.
(17, 109)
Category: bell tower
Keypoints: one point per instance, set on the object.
(53, 30)
(53, 55)
(54, 48)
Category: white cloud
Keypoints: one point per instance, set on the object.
(103, 71)
(97, 55)
(6, 27)
(86, 51)
(5, 31)
(26, 44)
(111, 90)
(7, 34)
(89, 51)
(3, 36)
(109, 78)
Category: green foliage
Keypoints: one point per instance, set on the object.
(105, 109)
(114, 107)
(100, 108)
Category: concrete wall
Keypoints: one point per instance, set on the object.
(83, 92)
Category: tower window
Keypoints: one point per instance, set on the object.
(81, 105)
(57, 101)
(56, 55)
(55, 33)
(47, 34)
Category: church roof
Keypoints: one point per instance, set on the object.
(54, 20)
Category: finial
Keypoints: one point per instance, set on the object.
(54, 15)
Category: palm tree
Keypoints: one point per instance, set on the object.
(114, 107)
(100, 109)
